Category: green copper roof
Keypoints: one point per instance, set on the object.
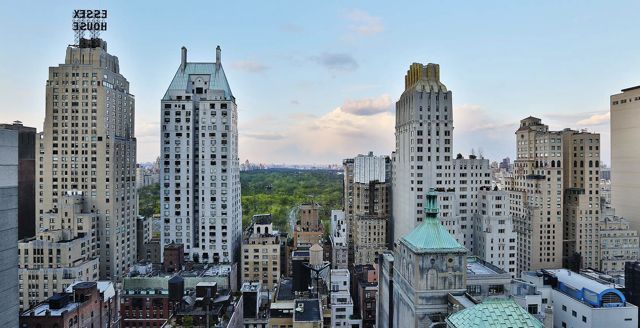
(430, 235)
(495, 313)
(218, 80)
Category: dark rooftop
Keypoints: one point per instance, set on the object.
(310, 311)
(285, 290)
(631, 88)
(262, 219)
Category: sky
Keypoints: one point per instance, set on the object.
(316, 82)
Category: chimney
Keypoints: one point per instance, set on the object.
(218, 55)
(183, 60)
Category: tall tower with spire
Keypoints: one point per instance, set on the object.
(199, 164)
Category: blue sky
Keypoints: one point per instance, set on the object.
(316, 82)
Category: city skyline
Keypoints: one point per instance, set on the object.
(337, 69)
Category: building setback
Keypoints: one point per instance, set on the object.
(199, 166)
(89, 145)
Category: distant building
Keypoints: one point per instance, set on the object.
(143, 236)
(201, 185)
(342, 311)
(494, 238)
(9, 202)
(618, 243)
(580, 300)
(367, 191)
(261, 252)
(283, 305)
(82, 304)
(60, 255)
(27, 137)
(554, 197)
(339, 246)
(146, 177)
(505, 164)
(147, 291)
(309, 230)
(365, 293)
(625, 154)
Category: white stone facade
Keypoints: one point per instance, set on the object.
(199, 165)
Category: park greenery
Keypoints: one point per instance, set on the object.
(274, 191)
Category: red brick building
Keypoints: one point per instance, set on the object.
(84, 304)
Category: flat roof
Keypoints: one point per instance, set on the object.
(310, 310)
(631, 88)
(579, 281)
(285, 290)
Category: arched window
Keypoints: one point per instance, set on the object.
(590, 163)
(558, 165)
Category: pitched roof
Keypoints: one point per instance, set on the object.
(431, 236)
(218, 80)
(494, 312)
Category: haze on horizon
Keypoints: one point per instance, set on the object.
(317, 82)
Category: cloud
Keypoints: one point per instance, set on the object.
(368, 106)
(249, 66)
(362, 23)
(475, 127)
(263, 136)
(295, 102)
(147, 129)
(596, 119)
(337, 61)
(327, 138)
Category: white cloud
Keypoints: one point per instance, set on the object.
(368, 106)
(596, 119)
(250, 66)
(328, 138)
(362, 23)
(336, 61)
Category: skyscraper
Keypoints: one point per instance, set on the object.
(554, 197)
(200, 171)
(625, 154)
(424, 143)
(89, 146)
(423, 160)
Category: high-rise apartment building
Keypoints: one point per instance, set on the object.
(339, 251)
(423, 160)
(625, 154)
(89, 145)
(494, 238)
(424, 144)
(261, 253)
(26, 178)
(9, 228)
(554, 197)
(582, 213)
(618, 243)
(367, 203)
(535, 196)
(199, 166)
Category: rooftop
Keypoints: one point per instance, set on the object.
(285, 290)
(494, 312)
(430, 236)
(217, 78)
(307, 310)
(476, 267)
(262, 219)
